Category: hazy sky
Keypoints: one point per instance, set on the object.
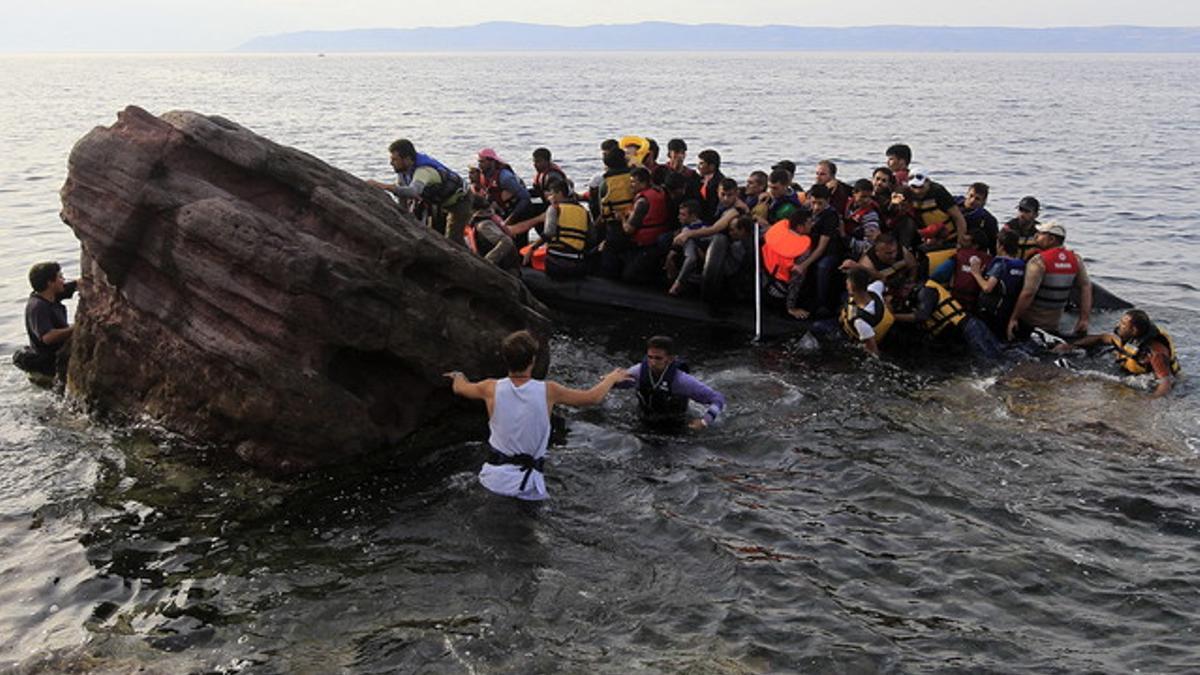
(216, 25)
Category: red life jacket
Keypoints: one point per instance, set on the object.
(781, 246)
(854, 218)
(963, 286)
(654, 223)
(491, 183)
(543, 177)
(1061, 269)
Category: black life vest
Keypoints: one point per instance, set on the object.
(892, 279)
(449, 185)
(657, 402)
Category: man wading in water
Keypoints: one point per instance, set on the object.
(519, 417)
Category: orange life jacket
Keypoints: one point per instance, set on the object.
(781, 246)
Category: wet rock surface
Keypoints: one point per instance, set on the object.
(246, 293)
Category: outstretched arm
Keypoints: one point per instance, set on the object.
(701, 393)
(557, 393)
(478, 391)
(1085, 342)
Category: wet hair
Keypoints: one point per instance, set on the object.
(676, 145)
(828, 164)
(980, 189)
(403, 147)
(780, 177)
(653, 148)
(608, 145)
(900, 151)
(542, 154)
(712, 157)
(1140, 321)
(641, 174)
(819, 191)
(661, 342)
(729, 184)
(693, 207)
(864, 185)
(41, 274)
(859, 279)
(1009, 242)
(519, 350)
(615, 159)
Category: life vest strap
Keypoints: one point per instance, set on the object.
(525, 461)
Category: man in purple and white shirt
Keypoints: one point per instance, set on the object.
(664, 388)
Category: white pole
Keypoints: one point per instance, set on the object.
(757, 286)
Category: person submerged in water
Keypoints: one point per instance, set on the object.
(1140, 347)
(46, 321)
(519, 417)
(664, 388)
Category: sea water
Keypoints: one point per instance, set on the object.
(846, 515)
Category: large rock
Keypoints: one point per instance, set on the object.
(245, 293)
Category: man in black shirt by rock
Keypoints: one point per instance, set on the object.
(46, 321)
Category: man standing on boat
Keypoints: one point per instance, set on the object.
(709, 168)
(1050, 274)
(664, 388)
(421, 178)
(519, 417)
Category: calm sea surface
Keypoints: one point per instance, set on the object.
(847, 516)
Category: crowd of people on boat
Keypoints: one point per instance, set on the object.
(857, 258)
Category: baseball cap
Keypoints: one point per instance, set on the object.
(1029, 204)
(1051, 227)
(917, 178)
(488, 153)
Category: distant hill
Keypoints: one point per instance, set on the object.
(504, 36)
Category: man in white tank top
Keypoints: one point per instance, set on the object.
(519, 417)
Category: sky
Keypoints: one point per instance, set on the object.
(220, 25)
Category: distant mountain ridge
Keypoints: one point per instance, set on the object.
(660, 36)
